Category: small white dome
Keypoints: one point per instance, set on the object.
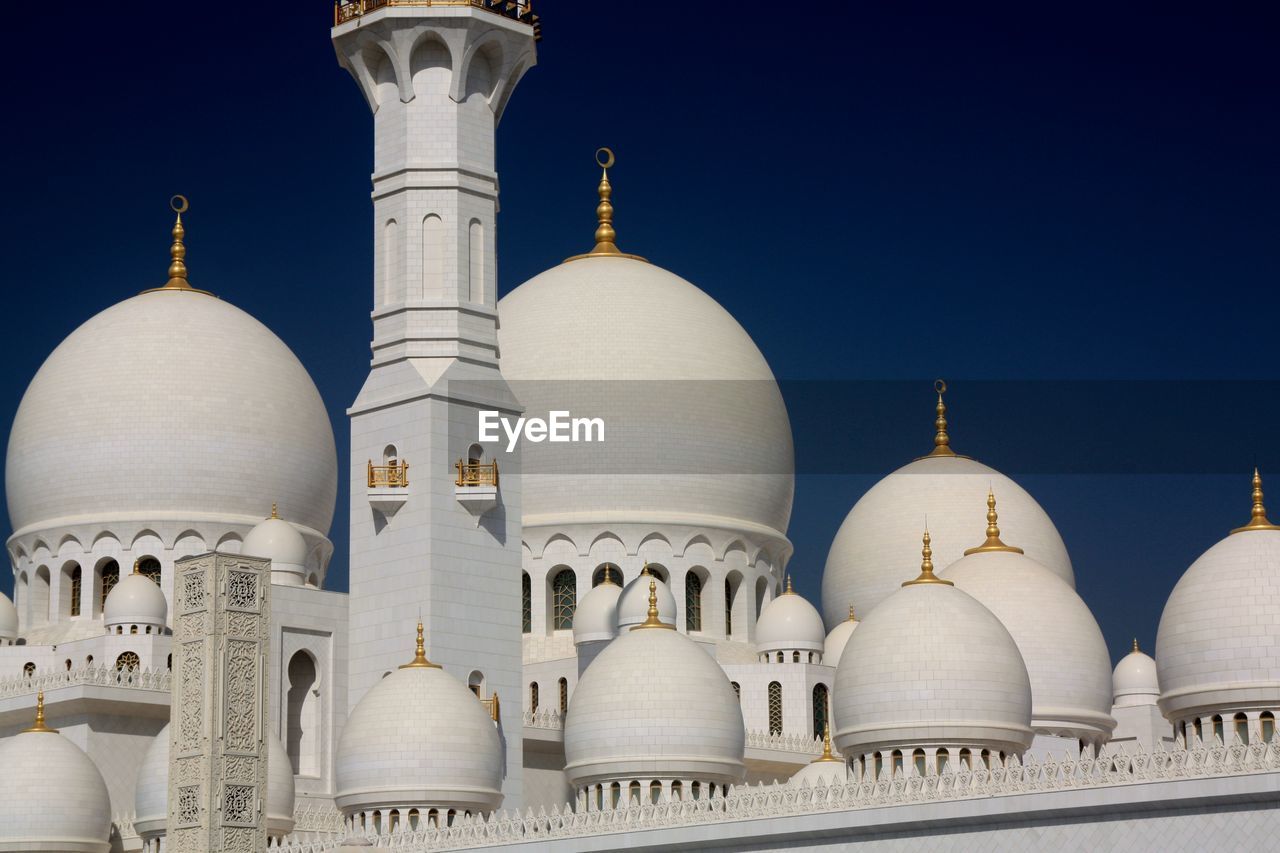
(681, 381)
(135, 600)
(828, 769)
(633, 604)
(8, 619)
(1219, 632)
(175, 405)
(1060, 642)
(419, 739)
(931, 667)
(1135, 681)
(833, 647)
(873, 552)
(596, 617)
(54, 796)
(280, 792)
(788, 623)
(653, 704)
(151, 793)
(280, 542)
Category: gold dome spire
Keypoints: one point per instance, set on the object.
(1135, 645)
(651, 619)
(275, 511)
(941, 438)
(827, 754)
(1258, 517)
(178, 252)
(608, 576)
(852, 618)
(420, 655)
(39, 725)
(993, 542)
(788, 590)
(926, 566)
(605, 235)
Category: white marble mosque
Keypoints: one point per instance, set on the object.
(549, 656)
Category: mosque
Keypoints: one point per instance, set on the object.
(543, 648)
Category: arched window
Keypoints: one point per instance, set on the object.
(985, 755)
(615, 794)
(564, 588)
(74, 585)
(526, 603)
(695, 791)
(1242, 728)
(917, 761)
(693, 602)
(820, 693)
(1268, 721)
(795, 657)
(1198, 729)
(150, 567)
(38, 608)
(775, 708)
(68, 664)
(28, 669)
(966, 759)
(394, 816)
(677, 790)
(737, 690)
(1217, 728)
(655, 792)
(127, 660)
(413, 820)
(879, 765)
(533, 696)
(779, 657)
(302, 729)
(110, 577)
(941, 760)
(475, 682)
(633, 793)
(895, 767)
(728, 608)
(564, 695)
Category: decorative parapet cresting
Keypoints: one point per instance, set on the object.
(96, 676)
(516, 10)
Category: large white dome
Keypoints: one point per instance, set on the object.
(653, 704)
(151, 794)
(419, 739)
(1218, 645)
(875, 547)
(931, 667)
(54, 796)
(696, 429)
(1060, 642)
(170, 405)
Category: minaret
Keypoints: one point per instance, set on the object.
(432, 532)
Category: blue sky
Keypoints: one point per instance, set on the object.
(1026, 202)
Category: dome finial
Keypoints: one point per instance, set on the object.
(993, 542)
(789, 590)
(827, 754)
(420, 655)
(275, 512)
(651, 620)
(941, 440)
(606, 247)
(1135, 645)
(608, 575)
(178, 252)
(137, 564)
(926, 566)
(1258, 517)
(852, 618)
(39, 725)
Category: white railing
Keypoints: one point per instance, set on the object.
(782, 799)
(784, 742)
(318, 818)
(547, 718)
(98, 676)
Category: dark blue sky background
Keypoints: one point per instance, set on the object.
(1009, 198)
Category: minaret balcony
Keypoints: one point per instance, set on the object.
(388, 486)
(516, 10)
(476, 485)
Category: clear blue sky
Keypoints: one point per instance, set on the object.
(1008, 198)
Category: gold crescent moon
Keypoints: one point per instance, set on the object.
(608, 161)
(940, 386)
(179, 204)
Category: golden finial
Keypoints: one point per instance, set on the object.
(1258, 518)
(1135, 645)
(608, 575)
(941, 440)
(420, 655)
(652, 620)
(137, 564)
(788, 590)
(645, 570)
(852, 618)
(275, 512)
(178, 251)
(993, 542)
(39, 725)
(827, 754)
(926, 566)
(606, 247)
